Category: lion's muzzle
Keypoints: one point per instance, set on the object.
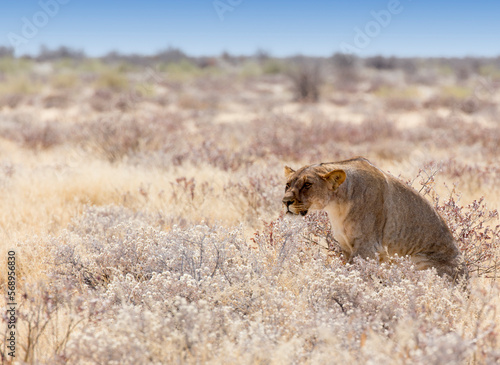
(288, 202)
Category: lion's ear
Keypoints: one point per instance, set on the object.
(288, 171)
(335, 177)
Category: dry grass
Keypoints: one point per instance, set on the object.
(147, 224)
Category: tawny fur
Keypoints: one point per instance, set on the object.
(373, 214)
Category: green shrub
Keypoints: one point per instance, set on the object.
(112, 79)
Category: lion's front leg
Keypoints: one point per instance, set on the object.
(347, 254)
(365, 248)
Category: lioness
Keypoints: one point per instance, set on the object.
(372, 213)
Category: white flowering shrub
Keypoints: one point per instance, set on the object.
(206, 294)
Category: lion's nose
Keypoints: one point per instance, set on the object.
(287, 202)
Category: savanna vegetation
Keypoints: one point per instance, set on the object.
(142, 197)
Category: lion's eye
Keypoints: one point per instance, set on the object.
(307, 185)
(287, 186)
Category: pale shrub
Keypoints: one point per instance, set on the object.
(205, 294)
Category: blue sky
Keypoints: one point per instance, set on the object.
(388, 27)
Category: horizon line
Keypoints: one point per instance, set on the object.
(255, 53)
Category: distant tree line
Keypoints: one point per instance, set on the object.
(306, 73)
(172, 55)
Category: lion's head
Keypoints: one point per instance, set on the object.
(310, 188)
